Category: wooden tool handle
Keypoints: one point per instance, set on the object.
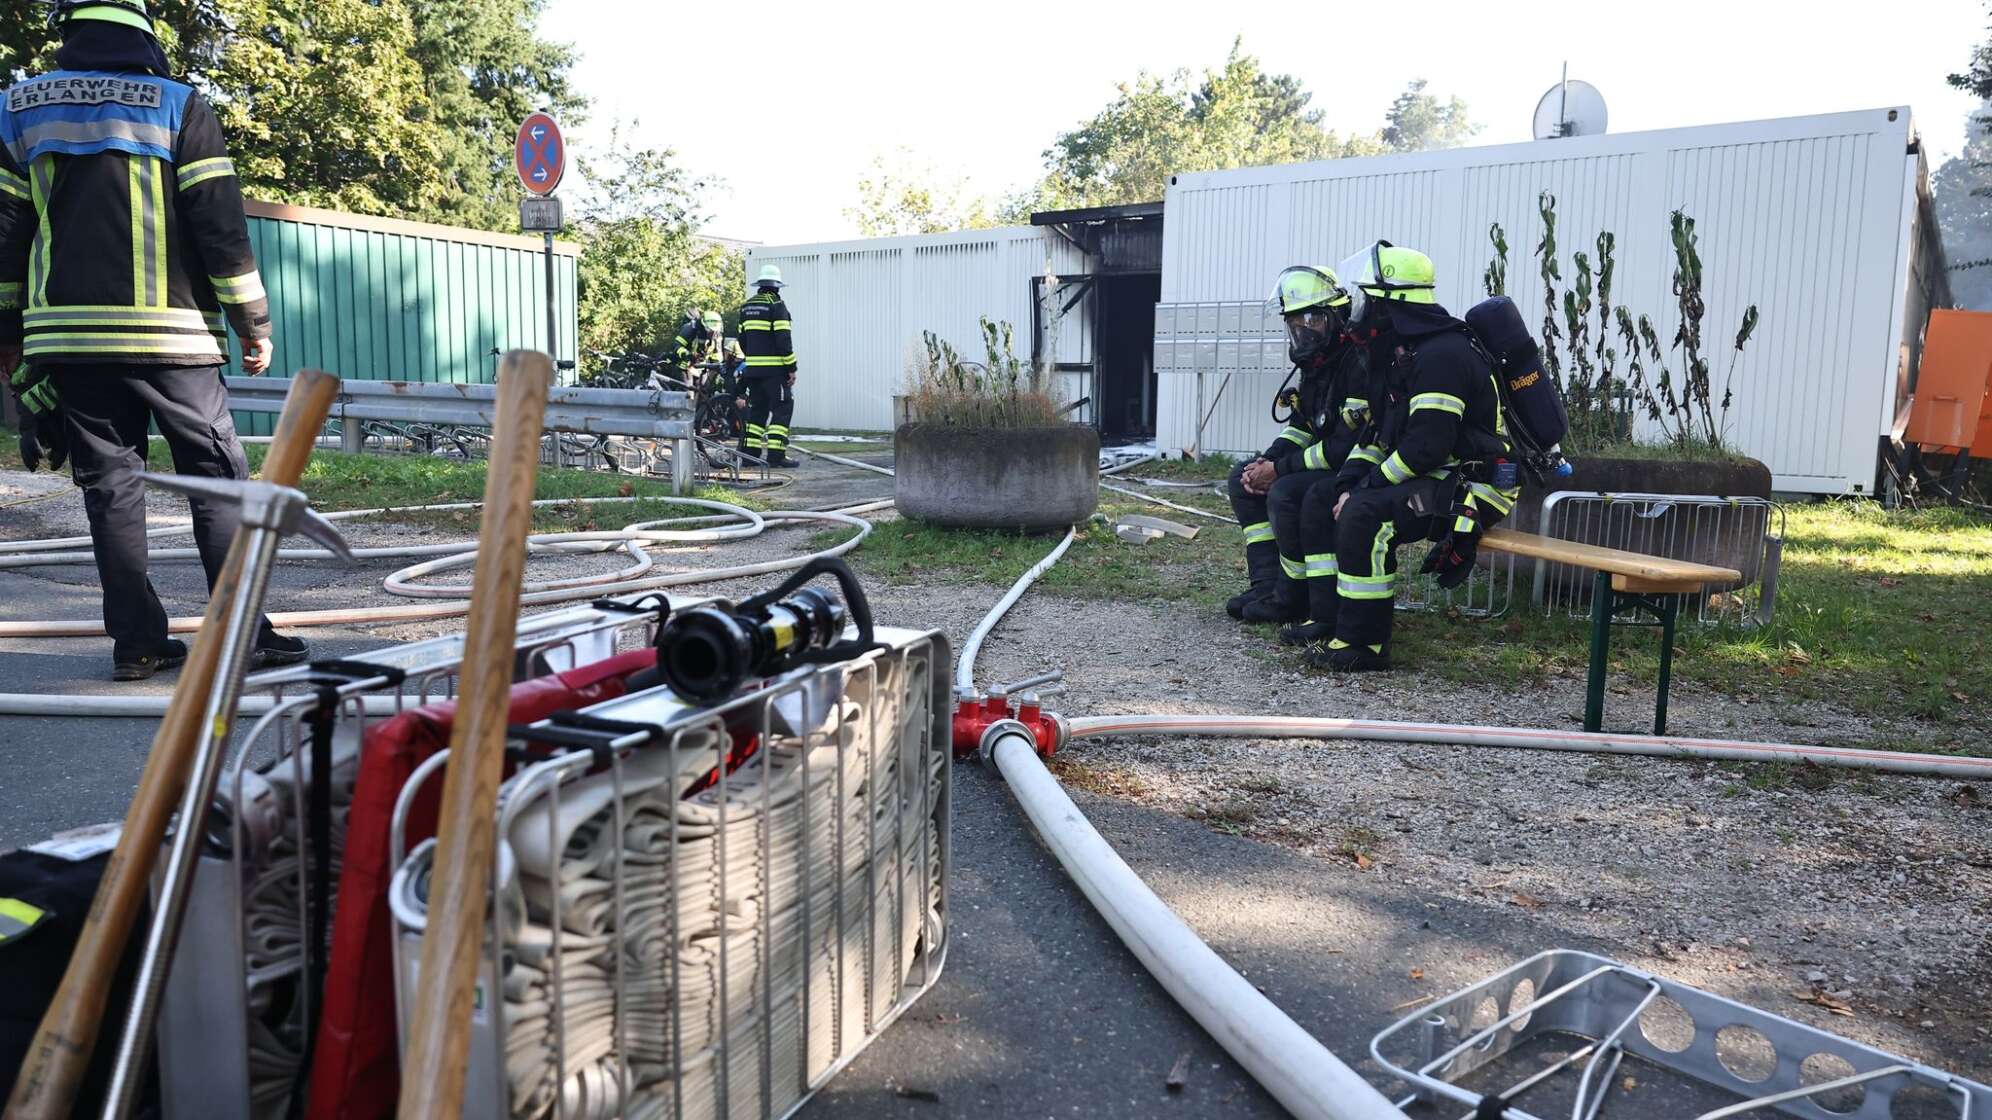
(60, 1054)
(438, 1045)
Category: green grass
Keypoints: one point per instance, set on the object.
(338, 480)
(1098, 566)
(1213, 468)
(1881, 612)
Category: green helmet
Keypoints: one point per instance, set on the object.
(1303, 286)
(1315, 306)
(1385, 271)
(713, 323)
(127, 13)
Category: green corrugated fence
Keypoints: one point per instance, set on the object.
(384, 299)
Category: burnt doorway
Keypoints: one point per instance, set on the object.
(1124, 353)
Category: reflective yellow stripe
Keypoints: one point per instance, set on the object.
(155, 229)
(201, 170)
(138, 199)
(766, 361)
(755, 429)
(246, 288)
(1296, 435)
(1293, 569)
(13, 184)
(754, 325)
(1369, 454)
(1500, 501)
(1395, 469)
(1443, 402)
(44, 238)
(1259, 532)
(1320, 565)
(779, 325)
(1362, 587)
(1315, 458)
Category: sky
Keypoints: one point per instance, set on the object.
(789, 103)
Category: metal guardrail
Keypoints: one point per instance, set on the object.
(640, 413)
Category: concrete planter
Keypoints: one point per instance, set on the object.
(1663, 533)
(997, 478)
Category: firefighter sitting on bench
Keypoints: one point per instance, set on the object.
(1433, 461)
(1266, 492)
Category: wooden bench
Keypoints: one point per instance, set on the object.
(1625, 579)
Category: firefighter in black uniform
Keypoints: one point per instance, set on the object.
(697, 341)
(768, 378)
(124, 261)
(1266, 492)
(1430, 463)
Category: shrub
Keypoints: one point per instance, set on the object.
(1003, 391)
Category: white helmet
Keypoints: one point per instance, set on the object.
(771, 277)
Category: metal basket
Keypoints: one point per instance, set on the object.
(707, 912)
(1570, 1030)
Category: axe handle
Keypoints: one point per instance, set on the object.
(60, 1054)
(437, 1051)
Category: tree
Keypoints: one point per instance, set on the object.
(1418, 122)
(1237, 116)
(643, 264)
(1962, 193)
(487, 69)
(898, 195)
(399, 107)
(1976, 79)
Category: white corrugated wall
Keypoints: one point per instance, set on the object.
(859, 308)
(1801, 216)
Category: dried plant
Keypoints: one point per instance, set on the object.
(1003, 391)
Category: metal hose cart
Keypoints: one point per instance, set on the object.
(234, 1011)
(708, 910)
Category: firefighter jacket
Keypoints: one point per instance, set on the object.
(764, 335)
(122, 236)
(1322, 413)
(693, 343)
(1440, 408)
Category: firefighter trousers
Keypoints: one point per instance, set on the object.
(770, 405)
(1373, 524)
(109, 408)
(1286, 501)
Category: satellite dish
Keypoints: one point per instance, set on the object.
(1570, 108)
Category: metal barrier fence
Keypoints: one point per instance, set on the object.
(457, 412)
(1742, 533)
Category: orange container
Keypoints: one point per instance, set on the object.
(1951, 408)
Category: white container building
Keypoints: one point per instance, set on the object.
(1823, 222)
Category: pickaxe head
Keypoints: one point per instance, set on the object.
(264, 505)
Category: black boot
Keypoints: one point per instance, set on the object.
(1322, 604)
(1262, 567)
(1287, 603)
(1339, 656)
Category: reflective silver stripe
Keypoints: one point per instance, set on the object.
(1293, 569)
(174, 317)
(91, 132)
(153, 253)
(112, 342)
(246, 288)
(13, 184)
(1258, 532)
(201, 170)
(1320, 565)
(1395, 469)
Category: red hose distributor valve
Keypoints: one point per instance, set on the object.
(974, 715)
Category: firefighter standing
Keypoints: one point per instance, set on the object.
(768, 378)
(124, 260)
(1424, 462)
(1266, 492)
